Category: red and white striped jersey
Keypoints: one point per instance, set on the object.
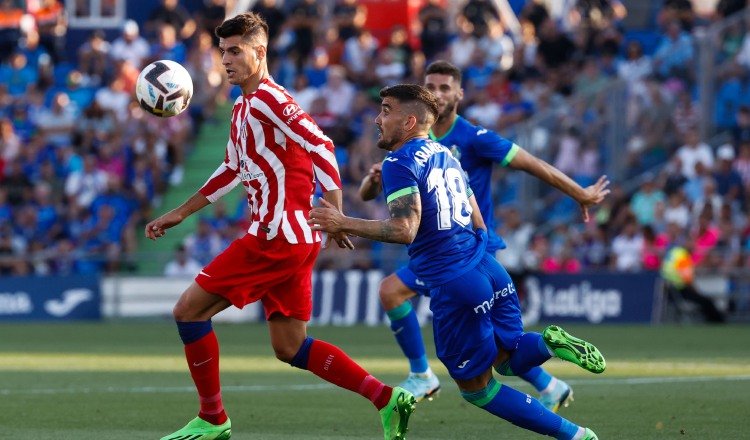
(277, 151)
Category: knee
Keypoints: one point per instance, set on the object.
(181, 312)
(286, 351)
(393, 293)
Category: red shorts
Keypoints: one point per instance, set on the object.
(274, 271)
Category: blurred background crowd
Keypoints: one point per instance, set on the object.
(82, 167)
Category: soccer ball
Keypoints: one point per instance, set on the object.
(164, 88)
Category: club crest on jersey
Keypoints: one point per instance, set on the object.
(455, 151)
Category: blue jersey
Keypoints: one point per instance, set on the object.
(478, 149)
(446, 245)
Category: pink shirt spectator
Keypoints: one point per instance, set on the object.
(704, 242)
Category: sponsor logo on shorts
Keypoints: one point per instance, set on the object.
(486, 306)
(464, 363)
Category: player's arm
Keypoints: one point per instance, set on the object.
(405, 211)
(476, 215)
(223, 180)
(371, 185)
(586, 197)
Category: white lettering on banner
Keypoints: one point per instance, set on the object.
(359, 286)
(15, 303)
(578, 300)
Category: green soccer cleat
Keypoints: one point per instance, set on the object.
(395, 415)
(572, 349)
(590, 435)
(199, 429)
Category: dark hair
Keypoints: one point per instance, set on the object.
(442, 67)
(413, 93)
(247, 24)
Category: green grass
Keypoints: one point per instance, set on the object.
(129, 381)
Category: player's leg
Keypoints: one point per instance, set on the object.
(519, 408)
(288, 307)
(193, 313)
(466, 342)
(327, 361)
(396, 290)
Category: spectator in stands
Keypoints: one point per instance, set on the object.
(171, 13)
(704, 236)
(636, 66)
(647, 201)
(12, 252)
(168, 46)
(484, 111)
(94, 58)
(742, 165)
(36, 55)
(728, 181)
(676, 211)
(209, 83)
(593, 247)
(515, 109)
(130, 46)
(479, 13)
(304, 20)
(183, 265)
(349, 17)
(338, 91)
(358, 51)
(741, 130)
(83, 186)
(210, 15)
(675, 53)
(10, 143)
(686, 113)
(693, 151)
(18, 75)
(274, 16)
(434, 35)
(627, 247)
(555, 49)
(10, 28)
(52, 24)
(114, 98)
(517, 235)
(56, 123)
(462, 48)
(303, 92)
(498, 46)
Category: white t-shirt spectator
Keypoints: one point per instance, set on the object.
(628, 251)
(185, 269)
(689, 156)
(486, 114)
(135, 52)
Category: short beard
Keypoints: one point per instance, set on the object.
(388, 144)
(449, 109)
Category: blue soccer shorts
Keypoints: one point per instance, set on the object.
(412, 282)
(473, 317)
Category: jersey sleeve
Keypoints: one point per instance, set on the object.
(226, 177)
(273, 106)
(492, 146)
(398, 179)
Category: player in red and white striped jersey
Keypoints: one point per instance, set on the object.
(278, 153)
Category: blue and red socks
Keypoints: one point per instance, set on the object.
(202, 354)
(331, 364)
(405, 327)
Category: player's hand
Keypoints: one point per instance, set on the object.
(329, 219)
(158, 228)
(592, 195)
(375, 173)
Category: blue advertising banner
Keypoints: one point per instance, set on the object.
(50, 298)
(593, 298)
(351, 297)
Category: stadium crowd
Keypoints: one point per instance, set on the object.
(82, 166)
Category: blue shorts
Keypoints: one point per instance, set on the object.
(473, 317)
(412, 282)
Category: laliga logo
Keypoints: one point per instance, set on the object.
(578, 300)
(290, 109)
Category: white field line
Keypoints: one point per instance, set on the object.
(326, 386)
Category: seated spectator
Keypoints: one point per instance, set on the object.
(693, 151)
(182, 266)
(52, 24)
(728, 181)
(338, 91)
(93, 58)
(433, 20)
(515, 109)
(203, 244)
(10, 28)
(463, 47)
(10, 142)
(171, 14)
(627, 247)
(647, 201)
(18, 75)
(130, 46)
(84, 186)
(56, 123)
(114, 98)
(636, 66)
(675, 52)
(742, 164)
(168, 47)
(303, 92)
(676, 211)
(484, 111)
(358, 51)
(389, 71)
(36, 55)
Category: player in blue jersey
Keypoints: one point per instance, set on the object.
(478, 150)
(476, 313)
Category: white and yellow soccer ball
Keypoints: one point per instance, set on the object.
(164, 88)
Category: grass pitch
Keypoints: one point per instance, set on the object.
(130, 381)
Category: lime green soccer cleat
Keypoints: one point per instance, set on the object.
(572, 349)
(590, 435)
(395, 415)
(199, 429)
